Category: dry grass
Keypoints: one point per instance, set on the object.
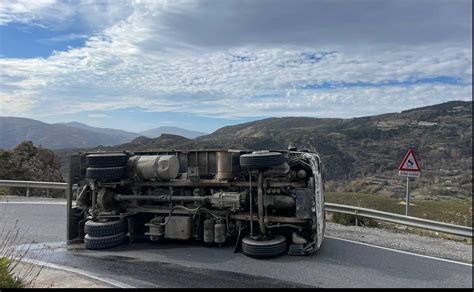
(10, 256)
(455, 211)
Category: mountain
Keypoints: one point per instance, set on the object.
(75, 135)
(14, 130)
(361, 154)
(117, 136)
(153, 133)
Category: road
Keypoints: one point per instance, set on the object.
(339, 263)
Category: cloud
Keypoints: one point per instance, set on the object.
(98, 116)
(59, 15)
(324, 22)
(63, 38)
(251, 59)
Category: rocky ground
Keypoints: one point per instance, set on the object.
(28, 162)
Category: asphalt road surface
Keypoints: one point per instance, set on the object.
(338, 263)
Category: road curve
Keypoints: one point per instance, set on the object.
(339, 263)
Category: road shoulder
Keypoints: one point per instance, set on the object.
(403, 241)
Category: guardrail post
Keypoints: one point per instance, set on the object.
(27, 192)
(356, 219)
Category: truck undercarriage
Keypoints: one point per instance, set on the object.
(268, 203)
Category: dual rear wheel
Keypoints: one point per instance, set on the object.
(102, 235)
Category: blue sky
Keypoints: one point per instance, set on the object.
(20, 40)
(201, 65)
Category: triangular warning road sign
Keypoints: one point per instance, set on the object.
(409, 163)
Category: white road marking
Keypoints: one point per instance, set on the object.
(401, 251)
(102, 279)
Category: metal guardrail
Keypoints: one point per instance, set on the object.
(33, 185)
(401, 219)
(345, 209)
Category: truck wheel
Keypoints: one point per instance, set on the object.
(261, 160)
(106, 173)
(106, 160)
(264, 248)
(93, 242)
(98, 229)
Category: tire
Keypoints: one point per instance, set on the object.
(264, 249)
(261, 160)
(106, 160)
(106, 173)
(93, 242)
(98, 229)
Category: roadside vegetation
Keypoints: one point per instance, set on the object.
(453, 210)
(7, 280)
(15, 272)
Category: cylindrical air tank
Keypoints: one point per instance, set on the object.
(147, 167)
(219, 233)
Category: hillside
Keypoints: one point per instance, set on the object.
(361, 154)
(28, 162)
(165, 141)
(154, 133)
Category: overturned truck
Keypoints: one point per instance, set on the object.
(266, 202)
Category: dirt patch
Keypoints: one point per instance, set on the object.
(54, 278)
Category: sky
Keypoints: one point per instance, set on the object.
(201, 65)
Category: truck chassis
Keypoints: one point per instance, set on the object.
(267, 203)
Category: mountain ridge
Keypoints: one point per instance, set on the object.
(14, 130)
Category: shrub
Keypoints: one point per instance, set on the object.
(7, 280)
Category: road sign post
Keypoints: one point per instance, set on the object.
(407, 198)
(409, 168)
